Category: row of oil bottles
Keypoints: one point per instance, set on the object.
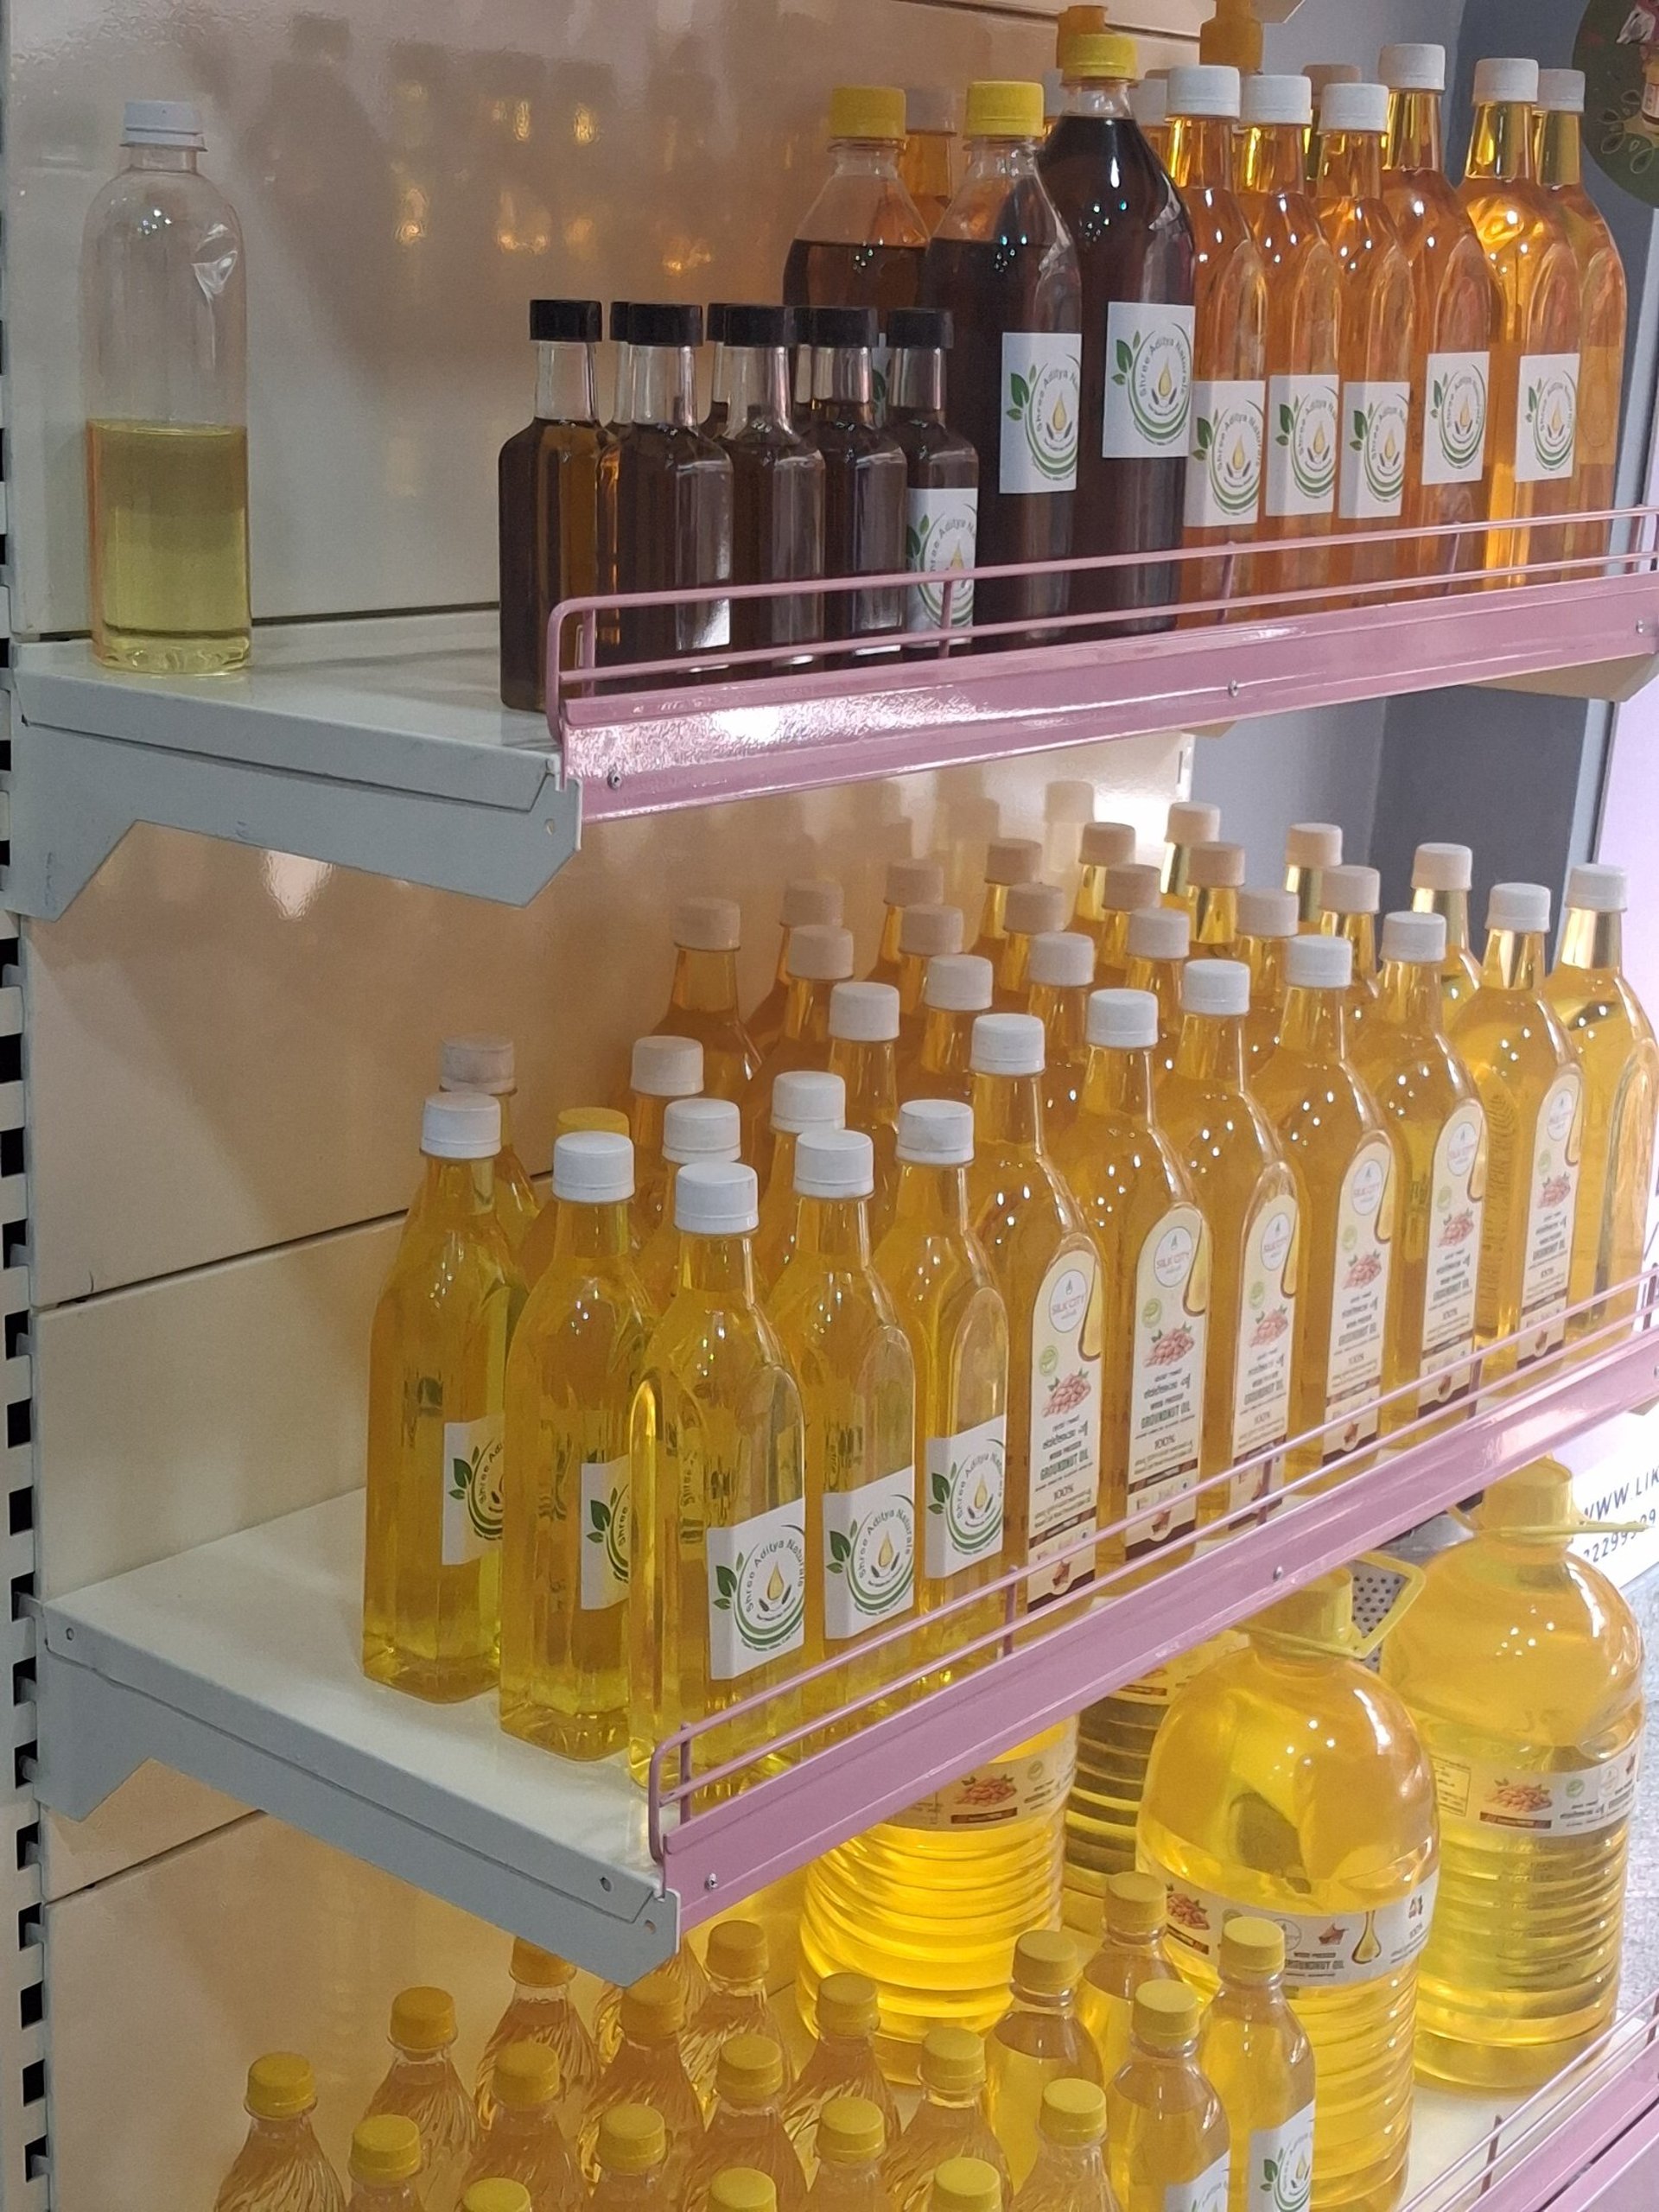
(1034, 1258)
(1429, 1857)
(1105, 346)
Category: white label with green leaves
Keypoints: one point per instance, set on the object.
(757, 1590)
(1208, 2193)
(1547, 418)
(966, 1487)
(1223, 471)
(1456, 391)
(1301, 472)
(472, 1488)
(605, 1529)
(1042, 396)
(869, 1554)
(941, 530)
(1280, 2171)
(1149, 408)
(1376, 422)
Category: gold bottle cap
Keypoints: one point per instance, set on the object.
(536, 1969)
(652, 2008)
(750, 2068)
(1073, 2111)
(1044, 1962)
(1095, 55)
(867, 112)
(1166, 2014)
(281, 2086)
(1252, 1946)
(385, 2148)
(1137, 1905)
(738, 1950)
(423, 2020)
(526, 2074)
(496, 2196)
(851, 2131)
(632, 2139)
(848, 2006)
(953, 2061)
(966, 2186)
(742, 2188)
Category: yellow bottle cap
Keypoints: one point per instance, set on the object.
(953, 2061)
(738, 1950)
(1320, 1613)
(848, 2006)
(577, 1118)
(632, 2139)
(653, 2008)
(385, 2148)
(750, 2068)
(1137, 1905)
(850, 2132)
(424, 2020)
(1073, 22)
(867, 112)
(966, 2186)
(1535, 1500)
(1044, 1962)
(496, 2196)
(281, 2086)
(526, 2074)
(535, 1969)
(1165, 2013)
(1073, 2111)
(1001, 107)
(1250, 1946)
(1095, 54)
(742, 2188)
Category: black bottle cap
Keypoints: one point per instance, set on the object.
(753, 326)
(654, 322)
(713, 321)
(620, 310)
(800, 325)
(921, 328)
(841, 326)
(575, 321)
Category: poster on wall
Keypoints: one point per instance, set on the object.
(1617, 49)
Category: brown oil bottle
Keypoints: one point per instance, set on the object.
(863, 473)
(714, 329)
(622, 391)
(547, 480)
(941, 468)
(860, 243)
(777, 484)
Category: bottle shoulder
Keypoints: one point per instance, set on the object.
(857, 210)
(576, 1301)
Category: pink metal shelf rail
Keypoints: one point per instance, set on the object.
(818, 1761)
(647, 736)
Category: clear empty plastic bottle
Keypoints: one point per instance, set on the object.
(1037, 2040)
(281, 2167)
(422, 2085)
(540, 2011)
(950, 2122)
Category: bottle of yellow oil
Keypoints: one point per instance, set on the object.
(1349, 899)
(388, 2174)
(1318, 75)
(1102, 845)
(1190, 821)
(485, 1064)
(1070, 2172)
(702, 997)
(1256, 2053)
(925, 934)
(541, 2010)
(1244, 1187)
(523, 2141)
(693, 1129)
(1008, 861)
(1215, 876)
(819, 956)
(1267, 923)
(737, 2002)
(647, 2067)
(437, 1401)
(842, 2064)
(684, 1971)
(1031, 910)
(281, 2167)
(809, 902)
(1046, 1265)
(1158, 940)
(908, 883)
(864, 1053)
(717, 1579)
(422, 2086)
(1137, 1205)
(661, 1068)
(1131, 1954)
(1062, 976)
(1286, 1782)
(948, 2123)
(1310, 848)
(850, 2143)
(1521, 1666)
(631, 2154)
(802, 1099)
(1339, 1147)
(956, 989)
(1170, 2145)
(1127, 887)
(1426, 1097)
(1511, 1040)
(1441, 879)
(967, 2185)
(746, 2128)
(1037, 2040)
(1613, 1042)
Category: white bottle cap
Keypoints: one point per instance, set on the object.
(1505, 79)
(1413, 67)
(1008, 1044)
(1129, 886)
(1106, 843)
(716, 1198)
(935, 1133)
(929, 931)
(1123, 1021)
(162, 122)
(819, 953)
(1442, 867)
(864, 1014)
(1319, 963)
(1215, 867)
(1519, 907)
(1268, 100)
(1012, 859)
(835, 1164)
(1215, 987)
(1350, 889)
(931, 107)
(1070, 800)
(1354, 107)
(1032, 908)
(1159, 933)
(1313, 844)
(1062, 958)
(1203, 89)
(1561, 91)
(1267, 913)
(807, 1098)
(811, 898)
(477, 1063)
(914, 883)
(593, 1167)
(1321, 73)
(461, 1125)
(667, 1067)
(1418, 938)
(1149, 102)
(1598, 888)
(1191, 822)
(958, 982)
(709, 924)
(701, 1128)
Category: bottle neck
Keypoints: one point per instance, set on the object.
(757, 386)
(1414, 132)
(917, 387)
(704, 982)
(718, 1267)
(1303, 884)
(1409, 995)
(1502, 144)
(1051, 2003)
(872, 157)
(1556, 149)
(870, 1071)
(1211, 1049)
(1360, 930)
(1215, 913)
(1453, 907)
(290, 2135)
(947, 1038)
(932, 1198)
(842, 382)
(836, 1230)
(564, 382)
(583, 1231)
(1119, 1083)
(1350, 165)
(806, 1010)
(458, 1190)
(1273, 158)
(172, 160)
(1591, 939)
(953, 2100)
(1515, 960)
(1314, 1024)
(663, 386)
(1063, 1009)
(1201, 152)
(1010, 160)
(622, 397)
(1008, 1111)
(892, 925)
(1266, 958)
(527, 2124)
(1106, 96)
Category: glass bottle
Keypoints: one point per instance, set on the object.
(1003, 264)
(1267, 922)
(1349, 897)
(1149, 105)
(702, 997)
(547, 482)
(1032, 910)
(802, 1099)
(942, 468)
(1255, 2053)
(485, 1064)
(948, 2123)
(661, 1068)
(386, 2166)
(541, 2010)
(843, 2063)
(1062, 977)
(955, 990)
(693, 1129)
(736, 2002)
(423, 2087)
(1128, 888)
(1131, 1954)
(849, 2141)
(1070, 2174)
(862, 241)
(1158, 942)
(817, 957)
(809, 901)
(1318, 75)
(1135, 256)
(163, 340)
(622, 387)
(523, 2141)
(1190, 821)
(1215, 877)
(1232, 37)
(1310, 848)
(281, 2167)
(647, 2068)
(864, 473)
(778, 486)
(864, 1053)
(631, 2154)
(1101, 845)
(927, 934)
(1008, 861)
(1037, 2040)
(1440, 879)
(928, 164)
(746, 2129)
(907, 883)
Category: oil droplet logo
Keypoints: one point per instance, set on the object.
(1457, 411)
(1225, 476)
(765, 1591)
(1153, 369)
(940, 537)
(1553, 419)
(1045, 401)
(1286, 2181)
(1307, 432)
(876, 1557)
(1379, 439)
(967, 1497)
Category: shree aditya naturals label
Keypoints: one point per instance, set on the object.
(1148, 381)
(1359, 1296)
(1301, 474)
(1375, 417)
(963, 1524)
(1547, 418)
(1266, 1334)
(1042, 396)
(940, 533)
(1455, 1207)
(869, 1554)
(1455, 387)
(1552, 1210)
(472, 1488)
(1223, 470)
(606, 1493)
(1065, 1416)
(1207, 2193)
(757, 1590)
(1166, 1408)
(1281, 2169)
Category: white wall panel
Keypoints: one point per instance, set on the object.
(155, 1811)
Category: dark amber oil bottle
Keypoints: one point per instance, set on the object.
(864, 473)
(777, 484)
(547, 481)
(941, 467)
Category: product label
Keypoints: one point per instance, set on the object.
(940, 532)
(1456, 1203)
(1547, 418)
(1165, 1410)
(1042, 398)
(1148, 381)
(869, 1554)
(1455, 390)
(1280, 2168)
(472, 1488)
(1223, 471)
(1301, 445)
(757, 1590)
(965, 1480)
(1033, 1779)
(1552, 1208)
(1564, 1800)
(1375, 418)
(1359, 1296)
(1267, 1335)
(606, 1532)
(1207, 2194)
(1323, 1950)
(1065, 1419)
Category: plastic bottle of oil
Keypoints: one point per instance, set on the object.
(1427, 1098)
(809, 902)
(523, 2141)
(647, 2067)
(632, 2158)
(1339, 1147)
(1131, 1953)
(1070, 2173)
(1256, 2053)
(281, 2167)
(779, 488)
(948, 2123)
(386, 2166)
(802, 1099)
(684, 1971)
(485, 1064)
(1538, 330)
(702, 999)
(1522, 1670)
(1008, 861)
(956, 989)
(1128, 886)
(864, 1053)
(1232, 38)
(1158, 940)
(1062, 977)
(693, 1129)
(850, 2141)
(1045, 1265)
(661, 1068)
(1448, 475)
(842, 2064)
(717, 1585)
(1246, 1191)
(1440, 879)
(862, 241)
(1215, 877)
(1170, 2147)
(1101, 845)
(422, 2086)
(1287, 1781)
(1614, 1041)
(431, 1583)
(1349, 897)
(928, 162)
(746, 2128)
(1191, 822)
(548, 497)
(866, 477)
(1267, 923)
(1151, 1293)
(967, 2185)
(1511, 1040)
(736, 2002)
(927, 934)
(818, 957)
(576, 1359)
(1037, 2040)
(908, 883)
(540, 2011)
(1310, 848)
(1032, 911)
